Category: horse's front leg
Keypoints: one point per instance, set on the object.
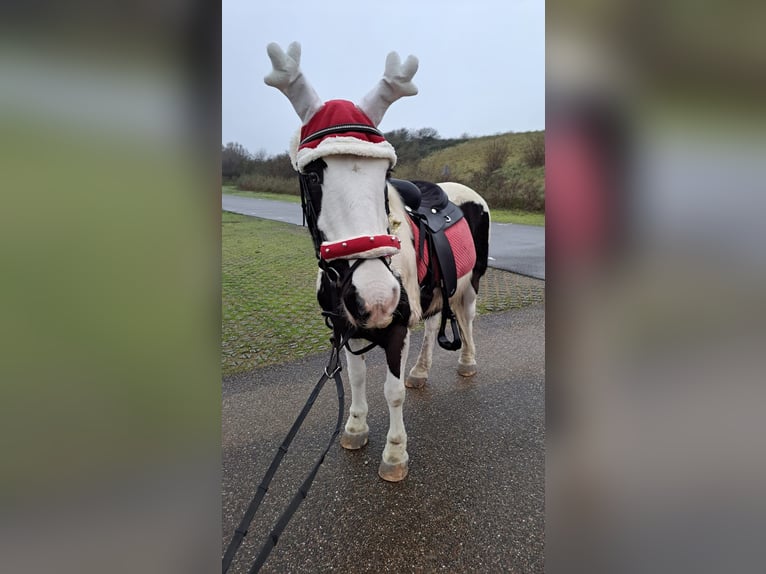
(356, 432)
(394, 465)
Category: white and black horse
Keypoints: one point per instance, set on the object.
(374, 283)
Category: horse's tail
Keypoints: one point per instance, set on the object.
(478, 221)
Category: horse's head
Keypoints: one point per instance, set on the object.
(343, 162)
(356, 244)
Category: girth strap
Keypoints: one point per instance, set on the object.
(442, 252)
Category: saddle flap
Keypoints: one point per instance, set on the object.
(438, 220)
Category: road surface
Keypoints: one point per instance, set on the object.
(474, 497)
(512, 247)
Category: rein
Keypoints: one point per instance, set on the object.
(332, 370)
(311, 189)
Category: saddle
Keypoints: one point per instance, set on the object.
(433, 213)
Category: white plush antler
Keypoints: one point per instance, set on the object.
(396, 83)
(288, 78)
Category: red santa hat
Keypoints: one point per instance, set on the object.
(339, 127)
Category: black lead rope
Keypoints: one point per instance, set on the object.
(331, 371)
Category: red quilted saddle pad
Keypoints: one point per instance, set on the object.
(459, 236)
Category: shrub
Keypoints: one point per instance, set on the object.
(533, 154)
(495, 155)
(513, 187)
(269, 184)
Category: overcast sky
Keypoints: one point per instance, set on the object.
(482, 63)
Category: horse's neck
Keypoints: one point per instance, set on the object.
(405, 262)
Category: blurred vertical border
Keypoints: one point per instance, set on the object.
(110, 290)
(656, 286)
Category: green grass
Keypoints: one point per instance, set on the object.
(231, 190)
(521, 217)
(269, 307)
(270, 314)
(498, 215)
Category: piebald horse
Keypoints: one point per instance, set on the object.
(368, 282)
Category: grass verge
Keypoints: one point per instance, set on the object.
(520, 217)
(269, 309)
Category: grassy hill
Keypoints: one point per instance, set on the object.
(508, 170)
(468, 157)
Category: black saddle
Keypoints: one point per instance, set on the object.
(427, 201)
(429, 207)
(408, 191)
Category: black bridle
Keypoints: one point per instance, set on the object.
(311, 180)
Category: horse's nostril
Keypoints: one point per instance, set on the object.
(361, 306)
(361, 311)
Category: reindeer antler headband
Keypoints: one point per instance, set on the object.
(339, 126)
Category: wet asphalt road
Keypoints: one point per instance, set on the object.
(286, 211)
(513, 247)
(474, 497)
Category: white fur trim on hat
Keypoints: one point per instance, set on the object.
(340, 145)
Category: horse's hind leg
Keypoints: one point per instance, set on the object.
(356, 431)
(465, 311)
(419, 373)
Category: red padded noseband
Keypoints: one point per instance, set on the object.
(358, 247)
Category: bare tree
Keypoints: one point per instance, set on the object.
(426, 133)
(234, 159)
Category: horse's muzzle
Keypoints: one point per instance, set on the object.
(372, 297)
(380, 315)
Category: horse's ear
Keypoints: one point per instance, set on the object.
(287, 77)
(396, 83)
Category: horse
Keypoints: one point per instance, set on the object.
(373, 239)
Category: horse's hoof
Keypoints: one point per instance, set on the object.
(415, 382)
(353, 440)
(392, 472)
(466, 370)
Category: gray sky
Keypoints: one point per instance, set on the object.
(482, 63)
